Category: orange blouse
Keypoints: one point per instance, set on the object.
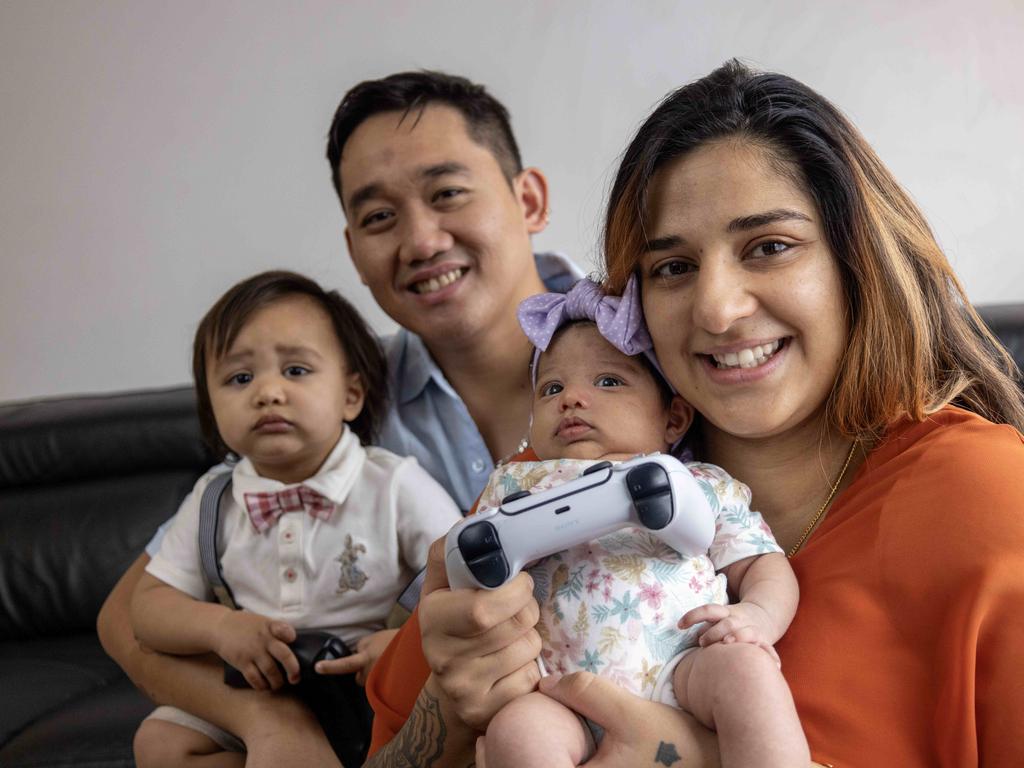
(904, 648)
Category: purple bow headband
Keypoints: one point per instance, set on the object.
(619, 319)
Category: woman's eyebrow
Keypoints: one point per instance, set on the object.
(756, 220)
(666, 243)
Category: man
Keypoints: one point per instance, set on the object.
(440, 212)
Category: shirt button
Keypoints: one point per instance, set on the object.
(289, 534)
(478, 465)
(290, 575)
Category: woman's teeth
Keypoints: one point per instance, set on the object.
(439, 282)
(747, 358)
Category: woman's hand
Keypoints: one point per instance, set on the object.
(368, 650)
(481, 645)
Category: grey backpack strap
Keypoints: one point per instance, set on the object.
(209, 522)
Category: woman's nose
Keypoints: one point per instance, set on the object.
(424, 235)
(722, 296)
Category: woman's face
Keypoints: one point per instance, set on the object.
(741, 292)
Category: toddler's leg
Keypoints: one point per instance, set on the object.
(161, 744)
(535, 730)
(738, 689)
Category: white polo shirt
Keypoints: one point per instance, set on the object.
(342, 574)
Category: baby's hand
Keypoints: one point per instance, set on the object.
(368, 650)
(737, 623)
(254, 645)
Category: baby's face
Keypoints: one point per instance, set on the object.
(593, 402)
(283, 389)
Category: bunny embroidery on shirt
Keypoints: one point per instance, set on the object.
(352, 576)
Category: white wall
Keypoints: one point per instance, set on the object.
(152, 153)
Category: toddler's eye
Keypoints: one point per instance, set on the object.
(551, 388)
(609, 381)
(297, 370)
(240, 378)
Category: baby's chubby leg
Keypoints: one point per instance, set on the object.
(535, 730)
(161, 744)
(738, 690)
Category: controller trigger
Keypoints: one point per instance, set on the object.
(515, 496)
(597, 467)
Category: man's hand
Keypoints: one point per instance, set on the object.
(368, 650)
(481, 645)
(255, 645)
(743, 622)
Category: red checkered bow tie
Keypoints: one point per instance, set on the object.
(265, 508)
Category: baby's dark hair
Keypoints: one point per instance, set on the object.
(664, 390)
(224, 321)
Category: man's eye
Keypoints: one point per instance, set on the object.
(551, 388)
(376, 218)
(296, 370)
(609, 381)
(447, 194)
(240, 378)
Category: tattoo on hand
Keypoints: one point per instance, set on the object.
(420, 742)
(667, 754)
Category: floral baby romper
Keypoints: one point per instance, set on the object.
(610, 606)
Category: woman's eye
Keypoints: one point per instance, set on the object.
(296, 370)
(770, 248)
(674, 268)
(240, 378)
(609, 381)
(551, 388)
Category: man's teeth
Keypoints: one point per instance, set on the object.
(439, 282)
(747, 358)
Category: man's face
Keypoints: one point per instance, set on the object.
(434, 228)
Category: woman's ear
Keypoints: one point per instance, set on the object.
(680, 417)
(531, 189)
(355, 394)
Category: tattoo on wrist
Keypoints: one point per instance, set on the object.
(420, 742)
(667, 754)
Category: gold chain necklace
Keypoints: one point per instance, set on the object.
(821, 511)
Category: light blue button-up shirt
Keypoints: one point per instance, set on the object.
(427, 418)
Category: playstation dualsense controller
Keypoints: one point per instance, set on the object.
(656, 492)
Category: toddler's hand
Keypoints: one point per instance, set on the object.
(254, 645)
(368, 650)
(737, 623)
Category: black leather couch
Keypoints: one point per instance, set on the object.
(84, 482)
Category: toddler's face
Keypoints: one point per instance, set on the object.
(593, 402)
(283, 389)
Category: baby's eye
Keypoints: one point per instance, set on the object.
(609, 381)
(551, 388)
(296, 371)
(240, 379)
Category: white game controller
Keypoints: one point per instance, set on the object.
(656, 492)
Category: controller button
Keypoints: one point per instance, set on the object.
(515, 497)
(490, 570)
(478, 540)
(647, 480)
(597, 467)
(654, 512)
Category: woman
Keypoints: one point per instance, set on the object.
(798, 300)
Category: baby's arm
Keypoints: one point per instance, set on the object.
(768, 594)
(168, 620)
